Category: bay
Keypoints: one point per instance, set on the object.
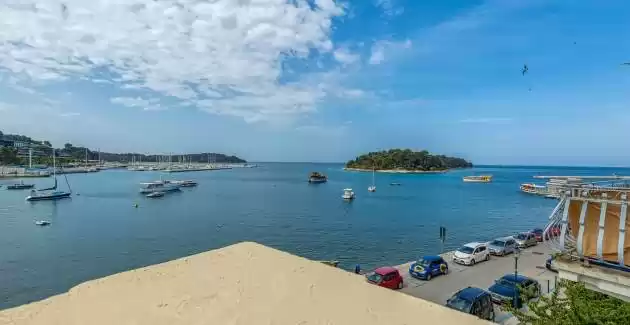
(99, 231)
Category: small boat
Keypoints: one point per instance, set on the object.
(50, 193)
(186, 183)
(155, 194)
(348, 194)
(373, 187)
(20, 186)
(159, 186)
(42, 223)
(478, 179)
(534, 189)
(316, 177)
(331, 263)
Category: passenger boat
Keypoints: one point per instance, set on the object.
(158, 186)
(316, 177)
(50, 193)
(478, 179)
(155, 194)
(20, 186)
(348, 194)
(42, 223)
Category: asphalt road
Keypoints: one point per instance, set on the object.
(531, 263)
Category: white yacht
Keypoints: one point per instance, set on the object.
(158, 186)
(348, 194)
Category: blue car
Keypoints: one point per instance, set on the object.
(428, 267)
(506, 290)
(473, 301)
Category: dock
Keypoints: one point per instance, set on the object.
(531, 263)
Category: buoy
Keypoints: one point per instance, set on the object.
(135, 205)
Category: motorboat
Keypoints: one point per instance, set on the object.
(185, 183)
(155, 194)
(42, 223)
(348, 194)
(158, 186)
(20, 186)
(478, 179)
(316, 177)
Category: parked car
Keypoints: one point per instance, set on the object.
(471, 253)
(387, 277)
(473, 301)
(549, 266)
(538, 233)
(507, 289)
(427, 267)
(502, 246)
(525, 239)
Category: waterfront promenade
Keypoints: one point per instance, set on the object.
(531, 263)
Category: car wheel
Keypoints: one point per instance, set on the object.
(428, 276)
(400, 285)
(492, 315)
(445, 271)
(472, 262)
(487, 257)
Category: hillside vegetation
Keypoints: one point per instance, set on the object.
(406, 159)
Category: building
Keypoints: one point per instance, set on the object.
(244, 284)
(593, 244)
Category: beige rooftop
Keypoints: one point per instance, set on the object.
(246, 283)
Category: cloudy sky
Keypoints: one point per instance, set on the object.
(322, 80)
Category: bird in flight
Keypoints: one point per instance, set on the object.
(525, 69)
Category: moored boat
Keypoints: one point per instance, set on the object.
(158, 186)
(50, 193)
(42, 223)
(478, 179)
(348, 194)
(316, 177)
(20, 186)
(185, 183)
(155, 194)
(535, 189)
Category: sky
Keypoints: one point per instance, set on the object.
(322, 80)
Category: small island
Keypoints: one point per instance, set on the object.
(406, 161)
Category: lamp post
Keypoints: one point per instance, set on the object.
(515, 298)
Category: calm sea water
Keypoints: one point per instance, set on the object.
(99, 231)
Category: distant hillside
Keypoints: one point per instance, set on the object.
(405, 159)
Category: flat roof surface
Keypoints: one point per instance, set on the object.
(246, 283)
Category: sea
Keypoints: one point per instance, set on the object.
(108, 227)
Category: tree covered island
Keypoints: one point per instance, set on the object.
(405, 160)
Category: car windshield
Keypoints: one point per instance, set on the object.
(423, 262)
(506, 282)
(465, 249)
(459, 304)
(521, 236)
(375, 277)
(497, 243)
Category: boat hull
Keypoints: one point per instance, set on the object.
(317, 180)
(19, 187)
(48, 197)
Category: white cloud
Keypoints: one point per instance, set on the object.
(225, 55)
(69, 114)
(146, 104)
(487, 120)
(389, 8)
(380, 48)
(345, 56)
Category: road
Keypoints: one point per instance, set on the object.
(531, 263)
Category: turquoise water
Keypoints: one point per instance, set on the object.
(99, 231)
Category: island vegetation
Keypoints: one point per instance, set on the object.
(406, 160)
(42, 154)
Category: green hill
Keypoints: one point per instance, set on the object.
(406, 159)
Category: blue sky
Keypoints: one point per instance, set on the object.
(271, 80)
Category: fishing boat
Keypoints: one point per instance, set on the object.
(373, 187)
(51, 193)
(42, 223)
(478, 179)
(348, 194)
(316, 177)
(155, 194)
(20, 186)
(159, 186)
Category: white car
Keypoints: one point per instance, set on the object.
(471, 253)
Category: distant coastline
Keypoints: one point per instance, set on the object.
(397, 171)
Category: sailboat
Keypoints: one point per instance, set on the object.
(50, 193)
(373, 187)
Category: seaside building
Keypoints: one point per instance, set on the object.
(246, 283)
(593, 245)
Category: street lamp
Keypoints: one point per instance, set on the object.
(515, 298)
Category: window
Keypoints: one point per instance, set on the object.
(481, 249)
(476, 309)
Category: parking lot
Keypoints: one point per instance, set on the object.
(531, 263)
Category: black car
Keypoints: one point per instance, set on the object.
(473, 301)
(507, 289)
(549, 266)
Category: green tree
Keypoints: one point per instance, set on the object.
(8, 156)
(573, 304)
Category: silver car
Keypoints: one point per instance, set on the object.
(502, 246)
(525, 239)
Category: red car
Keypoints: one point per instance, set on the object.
(387, 277)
